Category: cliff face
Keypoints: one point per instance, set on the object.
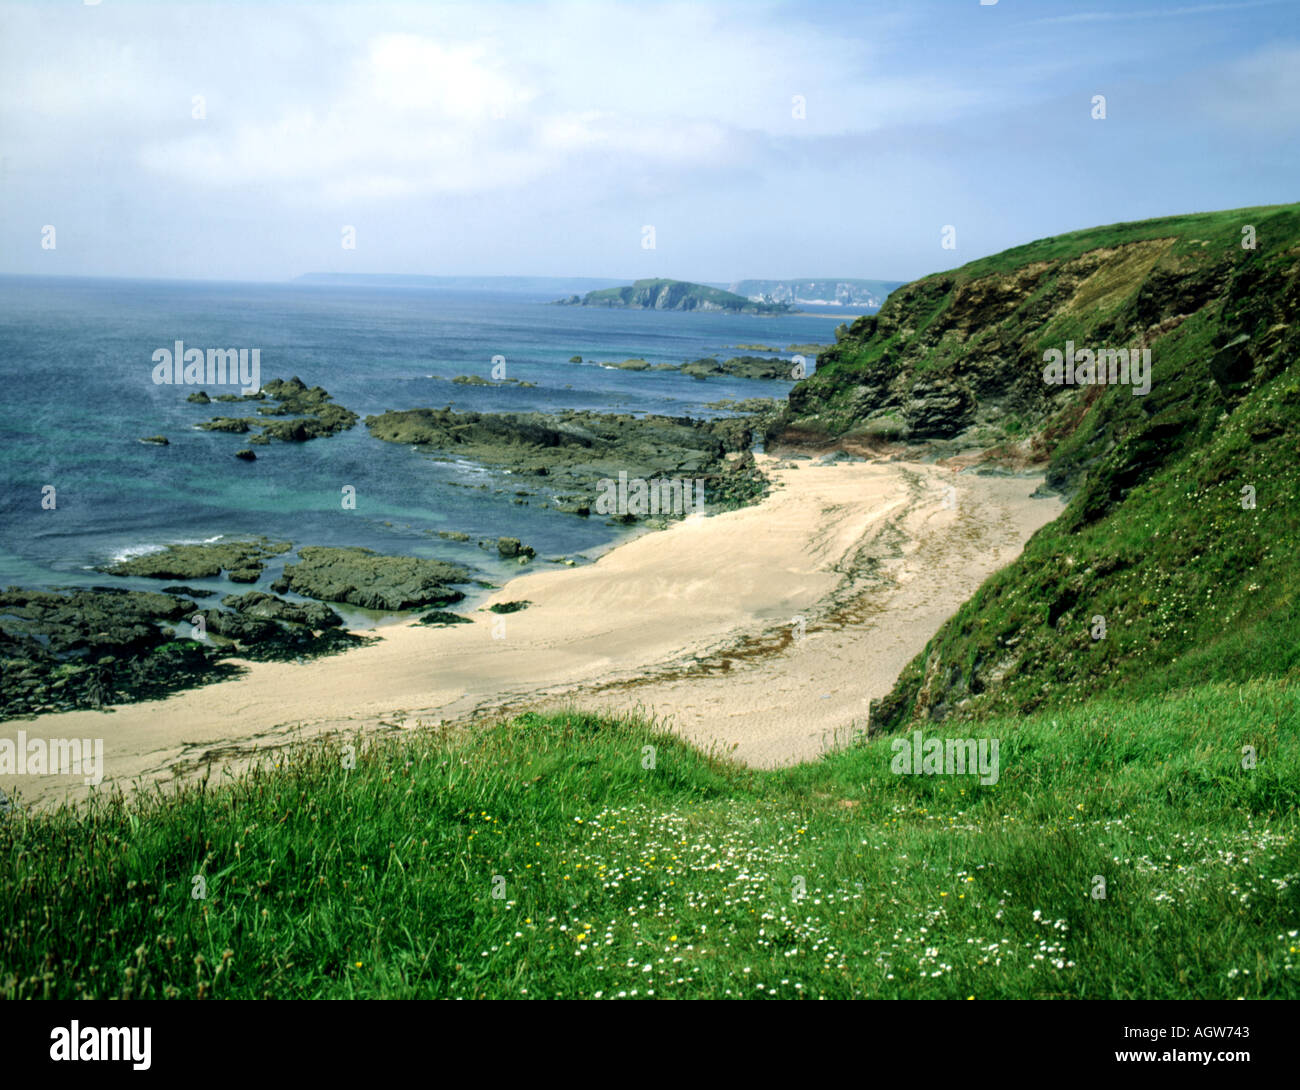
(1175, 559)
(673, 295)
(960, 355)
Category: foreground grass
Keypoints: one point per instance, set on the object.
(542, 858)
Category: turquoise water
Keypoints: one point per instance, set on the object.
(76, 365)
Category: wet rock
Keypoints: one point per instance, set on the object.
(441, 618)
(314, 615)
(367, 579)
(235, 424)
(89, 647)
(202, 561)
(311, 409)
(510, 547)
(579, 449)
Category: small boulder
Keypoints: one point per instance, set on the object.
(1232, 365)
(440, 618)
(510, 547)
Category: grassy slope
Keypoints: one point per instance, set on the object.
(680, 880)
(1192, 585)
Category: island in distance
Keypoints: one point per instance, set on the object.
(673, 295)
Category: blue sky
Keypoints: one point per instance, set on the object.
(541, 138)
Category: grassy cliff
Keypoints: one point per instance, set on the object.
(1173, 563)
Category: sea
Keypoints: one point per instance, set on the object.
(76, 364)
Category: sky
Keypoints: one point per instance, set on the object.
(239, 141)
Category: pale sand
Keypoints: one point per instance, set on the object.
(693, 624)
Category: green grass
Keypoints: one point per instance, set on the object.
(1196, 232)
(679, 880)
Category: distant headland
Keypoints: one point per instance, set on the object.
(673, 295)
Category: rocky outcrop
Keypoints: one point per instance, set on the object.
(756, 367)
(90, 647)
(242, 561)
(312, 412)
(441, 618)
(364, 578)
(510, 548)
(938, 407)
(1232, 365)
(314, 615)
(577, 450)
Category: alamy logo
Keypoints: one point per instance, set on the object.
(77, 1042)
(654, 497)
(946, 756)
(183, 366)
(57, 756)
(1106, 366)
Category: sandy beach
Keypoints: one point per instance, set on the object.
(764, 632)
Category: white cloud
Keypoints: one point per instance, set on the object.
(340, 104)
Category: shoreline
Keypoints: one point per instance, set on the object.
(693, 625)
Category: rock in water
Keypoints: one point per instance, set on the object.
(363, 578)
(510, 547)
